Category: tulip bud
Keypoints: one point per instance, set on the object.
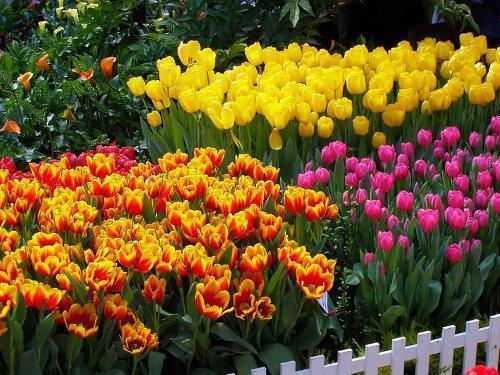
(154, 118)
(361, 125)
(137, 86)
(378, 139)
(325, 127)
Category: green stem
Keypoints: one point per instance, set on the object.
(134, 366)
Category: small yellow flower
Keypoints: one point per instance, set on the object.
(154, 118)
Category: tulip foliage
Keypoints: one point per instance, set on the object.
(278, 105)
(425, 216)
(105, 261)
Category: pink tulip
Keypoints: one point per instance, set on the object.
(465, 245)
(474, 139)
(462, 182)
(452, 169)
(309, 166)
(454, 253)
(351, 163)
(323, 175)
(401, 172)
(327, 155)
(346, 198)
(361, 170)
(404, 242)
(370, 163)
(368, 258)
(481, 197)
(385, 241)
(339, 149)
(455, 199)
(428, 219)
(491, 142)
(495, 202)
(434, 201)
(361, 196)
(404, 201)
(424, 137)
(455, 217)
(450, 136)
(403, 159)
(484, 179)
(373, 209)
(481, 162)
(351, 180)
(482, 218)
(495, 124)
(496, 169)
(379, 194)
(474, 244)
(392, 222)
(419, 167)
(386, 154)
(407, 149)
(472, 226)
(383, 181)
(438, 152)
(307, 180)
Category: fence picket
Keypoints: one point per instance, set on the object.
(447, 350)
(399, 353)
(317, 365)
(371, 359)
(493, 343)
(470, 347)
(398, 356)
(423, 353)
(344, 362)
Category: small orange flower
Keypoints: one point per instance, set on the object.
(8, 240)
(264, 309)
(244, 300)
(241, 224)
(332, 212)
(85, 75)
(133, 201)
(81, 320)
(215, 156)
(42, 62)
(139, 255)
(211, 301)
(107, 66)
(73, 270)
(316, 205)
(191, 223)
(255, 259)
(154, 289)
(138, 339)
(101, 165)
(115, 308)
(292, 256)
(36, 294)
(314, 281)
(167, 259)
(11, 126)
(8, 295)
(294, 199)
(24, 79)
(170, 161)
(221, 273)
(104, 275)
(46, 173)
(9, 271)
(213, 237)
(269, 226)
(193, 260)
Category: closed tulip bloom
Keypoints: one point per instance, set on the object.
(385, 241)
(154, 118)
(189, 100)
(428, 219)
(154, 289)
(393, 115)
(11, 126)
(253, 54)
(481, 94)
(424, 137)
(386, 153)
(375, 100)
(340, 109)
(107, 66)
(156, 91)
(137, 86)
(187, 52)
(361, 125)
(275, 140)
(404, 201)
(212, 301)
(325, 127)
(454, 253)
(373, 209)
(306, 129)
(133, 200)
(206, 59)
(24, 79)
(378, 139)
(318, 102)
(356, 82)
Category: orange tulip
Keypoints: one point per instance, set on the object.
(316, 204)
(255, 259)
(193, 260)
(191, 223)
(104, 275)
(49, 260)
(332, 212)
(264, 309)
(244, 300)
(138, 339)
(11, 126)
(24, 79)
(292, 257)
(133, 201)
(154, 289)
(167, 259)
(294, 199)
(46, 173)
(314, 281)
(211, 301)
(170, 161)
(81, 320)
(101, 165)
(213, 237)
(269, 226)
(42, 63)
(221, 273)
(36, 294)
(9, 271)
(8, 240)
(107, 66)
(73, 270)
(241, 224)
(216, 156)
(138, 255)
(115, 308)
(8, 294)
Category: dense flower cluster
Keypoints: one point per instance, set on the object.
(78, 232)
(312, 89)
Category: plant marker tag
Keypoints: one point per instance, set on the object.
(323, 302)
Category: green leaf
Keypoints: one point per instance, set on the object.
(304, 4)
(295, 14)
(390, 315)
(286, 8)
(224, 332)
(19, 312)
(244, 363)
(352, 279)
(28, 363)
(275, 354)
(277, 276)
(155, 363)
(43, 330)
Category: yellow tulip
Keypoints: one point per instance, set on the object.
(206, 59)
(73, 13)
(187, 52)
(375, 100)
(169, 74)
(426, 61)
(318, 102)
(481, 94)
(493, 75)
(393, 115)
(455, 87)
(41, 26)
(156, 91)
(275, 140)
(309, 58)
(444, 50)
(303, 111)
(381, 81)
(137, 86)
(306, 129)
(340, 109)
(378, 139)
(325, 127)
(189, 100)
(408, 98)
(154, 118)
(356, 82)
(444, 70)
(439, 100)
(490, 55)
(466, 39)
(223, 119)
(314, 117)
(361, 125)
(253, 54)
(294, 52)
(357, 55)
(426, 108)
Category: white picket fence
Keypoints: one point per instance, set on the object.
(400, 353)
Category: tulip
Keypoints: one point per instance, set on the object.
(373, 209)
(351, 180)
(154, 289)
(323, 175)
(137, 339)
(482, 218)
(401, 171)
(491, 142)
(495, 124)
(369, 258)
(313, 280)
(428, 219)
(424, 137)
(386, 154)
(189, 100)
(383, 181)
(253, 54)
(385, 241)
(275, 140)
(481, 94)
(404, 242)
(137, 86)
(360, 196)
(450, 136)
(378, 139)
(462, 182)
(392, 222)
(452, 169)
(454, 253)
(81, 320)
(154, 118)
(484, 179)
(211, 301)
(107, 66)
(361, 125)
(375, 100)
(474, 139)
(325, 127)
(351, 163)
(307, 180)
(404, 201)
(187, 52)
(42, 63)
(393, 115)
(356, 82)
(455, 199)
(455, 217)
